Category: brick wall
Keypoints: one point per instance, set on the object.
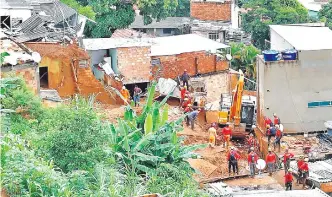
(195, 63)
(134, 64)
(28, 73)
(215, 11)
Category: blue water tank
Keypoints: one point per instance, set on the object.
(270, 55)
(289, 54)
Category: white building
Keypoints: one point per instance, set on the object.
(14, 13)
(299, 91)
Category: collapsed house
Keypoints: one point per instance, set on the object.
(138, 61)
(37, 20)
(20, 60)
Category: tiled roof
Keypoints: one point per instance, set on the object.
(169, 22)
(129, 33)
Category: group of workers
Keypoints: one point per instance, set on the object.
(136, 95)
(273, 129)
(271, 159)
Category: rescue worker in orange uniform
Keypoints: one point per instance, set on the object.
(305, 171)
(276, 119)
(270, 161)
(232, 158)
(252, 161)
(287, 158)
(227, 133)
(183, 91)
(251, 141)
(268, 121)
(125, 93)
(289, 180)
(278, 137)
(299, 164)
(212, 136)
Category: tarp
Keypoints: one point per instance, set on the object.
(166, 86)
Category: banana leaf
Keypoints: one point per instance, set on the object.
(149, 158)
(148, 125)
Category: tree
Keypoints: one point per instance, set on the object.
(118, 14)
(85, 10)
(325, 14)
(263, 13)
(244, 58)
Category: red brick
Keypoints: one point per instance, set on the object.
(174, 65)
(215, 11)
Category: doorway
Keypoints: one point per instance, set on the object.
(43, 76)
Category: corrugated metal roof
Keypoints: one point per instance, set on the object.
(169, 22)
(293, 193)
(305, 38)
(58, 10)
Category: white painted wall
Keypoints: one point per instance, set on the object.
(96, 57)
(16, 13)
(278, 42)
(286, 88)
(234, 15)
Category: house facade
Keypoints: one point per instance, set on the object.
(299, 91)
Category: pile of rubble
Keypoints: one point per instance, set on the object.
(50, 21)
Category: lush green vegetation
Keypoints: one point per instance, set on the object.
(325, 14)
(262, 13)
(70, 151)
(84, 10)
(244, 58)
(117, 14)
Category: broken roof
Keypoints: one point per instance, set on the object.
(172, 45)
(169, 22)
(58, 10)
(305, 38)
(8, 4)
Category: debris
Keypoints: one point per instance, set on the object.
(204, 167)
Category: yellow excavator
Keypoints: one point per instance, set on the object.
(237, 109)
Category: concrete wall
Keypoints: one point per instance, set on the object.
(234, 15)
(113, 54)
(96, 57)
(277, 42)
(16, 13)
(315, 59)
(286, 88)
(205, 33)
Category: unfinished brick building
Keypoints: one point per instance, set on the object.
(213, 10)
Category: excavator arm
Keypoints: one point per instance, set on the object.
(235, 110)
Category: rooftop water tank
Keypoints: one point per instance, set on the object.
(289, 54)
(270, 55)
